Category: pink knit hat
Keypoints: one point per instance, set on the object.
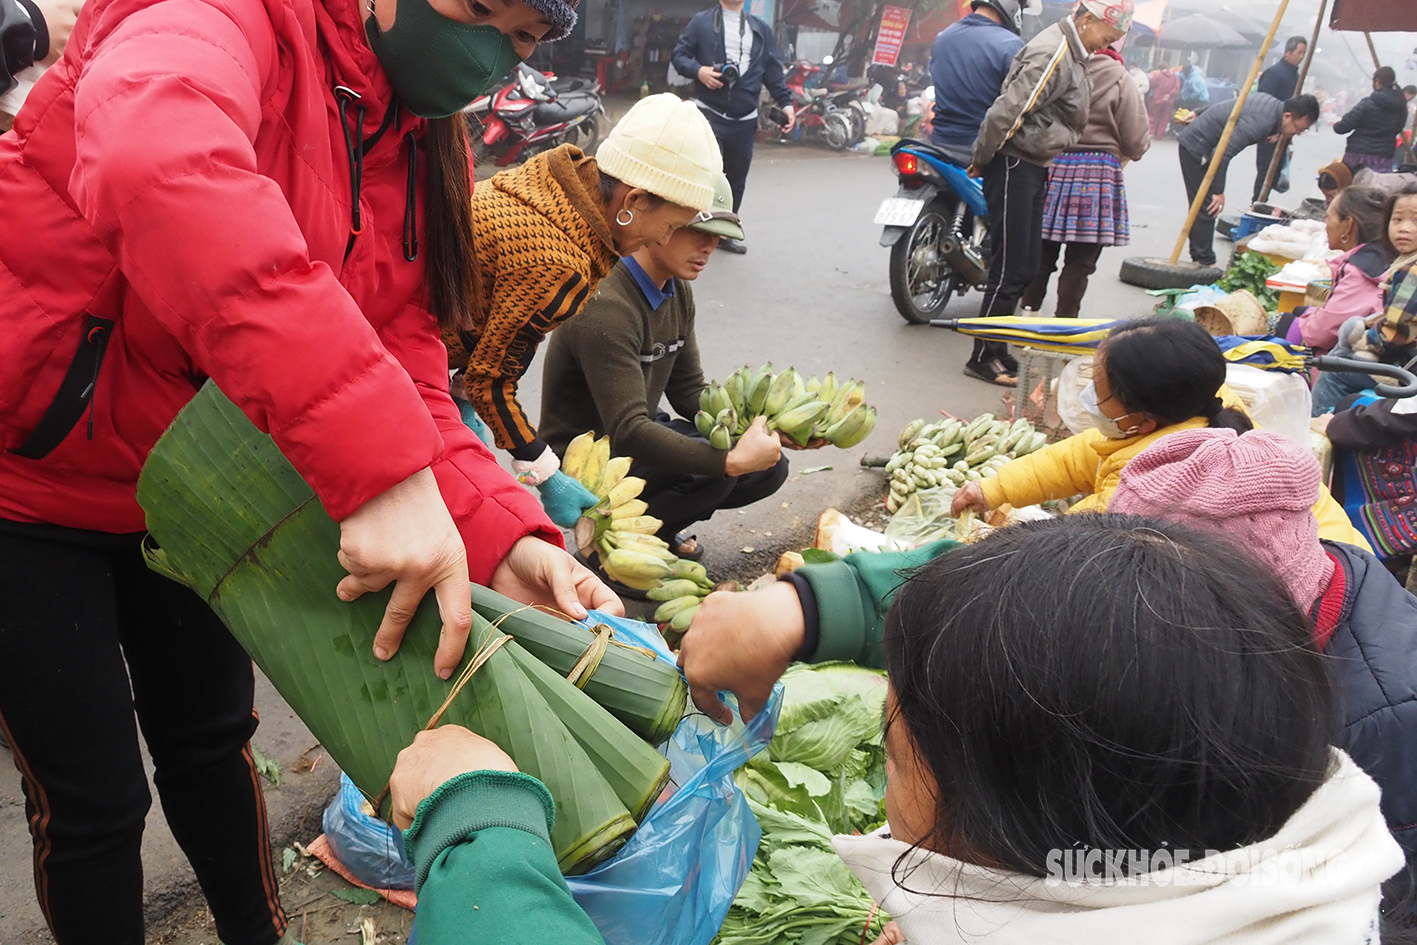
(1258, 490)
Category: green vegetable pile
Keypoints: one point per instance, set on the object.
(824, 773)
(1250, 270)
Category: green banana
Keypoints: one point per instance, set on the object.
(692, 570)
(847, 426)
(734, 387)
(911, 431)
(704, 421)
(814, 385)
(674, 588)
(670, 609)
(780, 392)
(790, 421)
(706, 398)
(720, 401)
(682, 620)
(758, 396)
(868, 424)
(727, 418)
(829, 387)
(721, 438)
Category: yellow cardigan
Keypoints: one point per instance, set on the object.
(1091, 463)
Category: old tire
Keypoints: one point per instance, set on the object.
(1149, 272)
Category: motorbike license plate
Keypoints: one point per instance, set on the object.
(898, 211)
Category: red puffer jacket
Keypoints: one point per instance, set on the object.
(184, 172)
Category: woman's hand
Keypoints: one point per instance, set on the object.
(890, 935)
(741, 643)
(405, 536)
(970, 497)
(537, 572)
(435, 758)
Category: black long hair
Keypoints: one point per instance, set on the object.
(449, 270)
(1171, 370)
(1104, 681)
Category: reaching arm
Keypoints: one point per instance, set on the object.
(1056, 471)
(1373, 425)
(515, 328)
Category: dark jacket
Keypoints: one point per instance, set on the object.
(701, 44)
(1374, 123)
(1042, 109)
(1260, 118)
(1280, 80)
(968, 64)
(1373, 650)
(1375, 469)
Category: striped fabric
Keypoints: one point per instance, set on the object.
(1087, 200)
(1379, 165)
(1384, 504)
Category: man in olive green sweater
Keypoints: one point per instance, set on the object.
(634, 344)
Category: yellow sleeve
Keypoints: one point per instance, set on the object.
(1057, 471)
(1334, 523)
(525, 307)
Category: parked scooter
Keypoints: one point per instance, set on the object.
(936, 226)
(822, 115)
(534, 112)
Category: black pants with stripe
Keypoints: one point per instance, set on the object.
(735, 142)
(1015, 191)
(88, 635)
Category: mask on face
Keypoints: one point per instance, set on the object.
(438, 65)
(1110, 428)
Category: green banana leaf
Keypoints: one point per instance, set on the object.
(645, 693)
(237, 524)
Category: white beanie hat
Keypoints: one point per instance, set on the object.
(664, 145)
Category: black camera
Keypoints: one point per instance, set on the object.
(24, 39)
(727, 73)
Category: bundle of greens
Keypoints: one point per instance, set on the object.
(1250, 270)
(823, 773)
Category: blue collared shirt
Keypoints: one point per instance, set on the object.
(653, 294)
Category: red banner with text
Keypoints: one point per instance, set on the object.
(894, 22)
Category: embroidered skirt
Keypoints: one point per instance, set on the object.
(1087, 200)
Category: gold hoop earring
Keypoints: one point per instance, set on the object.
(628, 213)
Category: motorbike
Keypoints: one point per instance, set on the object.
(937, 229)
(534, 112)
(836, 118)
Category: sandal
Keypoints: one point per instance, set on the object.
(683, 538)
(991, 372)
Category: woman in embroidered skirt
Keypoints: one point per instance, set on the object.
(1086, 206)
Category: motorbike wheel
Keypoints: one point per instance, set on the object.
(836, 131)
(921, 279)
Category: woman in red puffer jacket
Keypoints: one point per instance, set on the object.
(267, 193)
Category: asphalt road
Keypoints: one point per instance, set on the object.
(811, 292)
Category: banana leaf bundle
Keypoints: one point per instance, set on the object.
(234, 521)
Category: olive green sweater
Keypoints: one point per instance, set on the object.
(608, 368)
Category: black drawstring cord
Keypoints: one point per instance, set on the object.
(98, 337)
(354, 147)
(410, 207)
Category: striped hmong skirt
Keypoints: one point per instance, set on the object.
(1379, 165)
(1087, 200)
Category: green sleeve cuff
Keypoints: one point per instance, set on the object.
(476, 801)
(842, 614)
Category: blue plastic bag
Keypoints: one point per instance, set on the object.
(371, 849)
(673, 882)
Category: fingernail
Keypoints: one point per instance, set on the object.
(381, 653)
(445, 674)
(344, 596)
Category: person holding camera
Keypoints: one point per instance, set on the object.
(730, 54)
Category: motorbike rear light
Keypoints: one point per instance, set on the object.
(907, 163)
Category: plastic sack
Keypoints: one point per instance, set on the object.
(923, 517)
(673, 882)
(1275, 400)
(370, 848)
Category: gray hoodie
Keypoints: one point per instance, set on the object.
(1042, 109)
(1260, 119)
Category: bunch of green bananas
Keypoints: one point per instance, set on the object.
(618, 528)
(952, 452)
(804, 409)
(681, 596)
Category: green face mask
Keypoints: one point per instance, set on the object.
(438, 65)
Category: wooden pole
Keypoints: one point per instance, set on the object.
(1373, 49)
(1283, 147)
(1203, 194)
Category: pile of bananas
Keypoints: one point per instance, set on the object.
(681, 595)
(950, 453)
(804, 409)
(618, 529)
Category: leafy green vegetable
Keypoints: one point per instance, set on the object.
(268, 768)
(819, 556)
(1249, 270)
(356, 895)
(823, 774)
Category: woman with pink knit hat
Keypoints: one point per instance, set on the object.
(1258, 489)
